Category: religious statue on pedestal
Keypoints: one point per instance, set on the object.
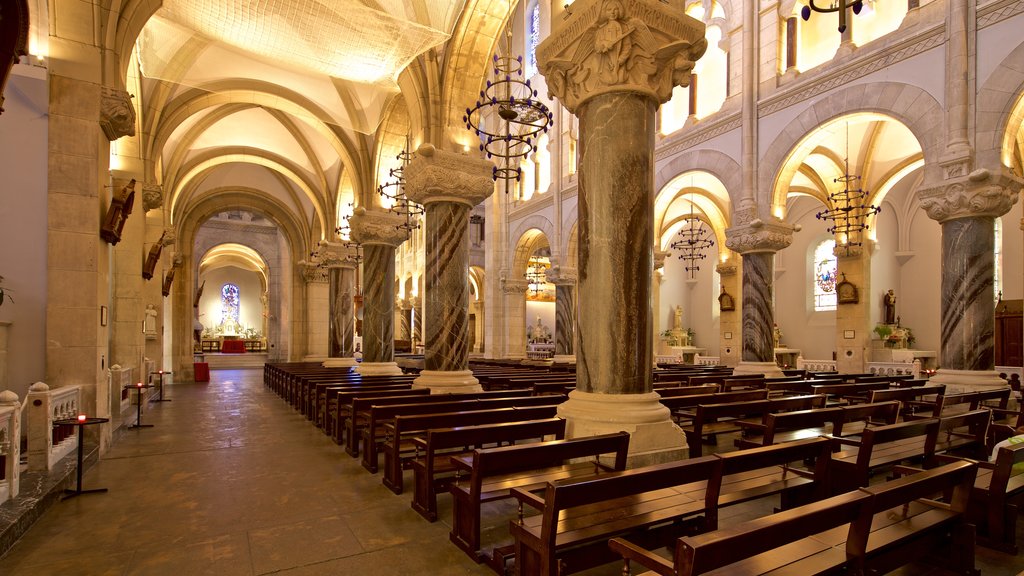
(777, 336)
(889, 307)
(149, 327)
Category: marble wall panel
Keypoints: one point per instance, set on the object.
(758, 315)
(968, 317)
(378, 303)
(341, 334)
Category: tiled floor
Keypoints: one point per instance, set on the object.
(232, 481)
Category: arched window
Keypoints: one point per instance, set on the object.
(823, 266)
(229, 304)
(532, 37)
(815, 41)
(709, 82)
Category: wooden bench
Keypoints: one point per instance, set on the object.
(339, 404)
(840, 421)
(683, 407)
(712, 419)
(947, 404)
(652, 505)
(907, 396)
(965, 434)
(401, 436)
(880, 447)
(849, 393)
(872, 530)
(489, 475)
(996, 497)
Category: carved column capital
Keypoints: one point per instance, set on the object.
(439, 176)
(980, 193)
(117, 114)
(753, 234)
(659, 258)
(514, 287)
(378, 227)
(640, 46)
(312, 273)
(152, 196)
(562, 275)
(334, 255)
(727, 268)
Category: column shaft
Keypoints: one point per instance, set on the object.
(342, 325)
(565, 320)
(967, 298)
(447, 287)
(378, 303)
(758, 312)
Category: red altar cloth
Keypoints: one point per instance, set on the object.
(232, 346)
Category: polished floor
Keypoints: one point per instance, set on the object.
(230, 481)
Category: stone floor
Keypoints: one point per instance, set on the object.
(232, 481)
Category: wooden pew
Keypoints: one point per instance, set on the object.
(947, 404)
(339, 402)
(684, 407)
(401, 436)
(712, 419)
(996, 499)
(965, 434)
(906, 396)
(490, 474)
(849, 393)
(840, 421)
(873, 530)
(378, 415)
(880, 447)
(652, 505)
(687, 390)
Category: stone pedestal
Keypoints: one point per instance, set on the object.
(379, 233)
(613, 74)
(758, 240)
(449, 185)
(967, 206)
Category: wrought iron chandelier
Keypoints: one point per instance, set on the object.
(839, 6)
(536, 277)
(508, 117)
(394, 190)
(344, 231)
(694, 238)
(847, 208)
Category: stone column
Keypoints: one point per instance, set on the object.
(758, 241)
(449, 185)
(729, 322)
(317, 310)
(341, 329)
(966, 206)
(379, 233)
(613, 70)
(853, 319)
(514, 294)
(564, 280)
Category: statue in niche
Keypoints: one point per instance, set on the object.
(889, 307)
(625, 45)
(777, 336)
(149, 327)
(539, 333)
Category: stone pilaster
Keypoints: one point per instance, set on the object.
(513, 292)
(612, 68)
(449, 185)
(317, 311)
(564, 280)
(127, 344)
(854, 266)
(730, 346)
(758, 241)
(379, 233)
(966, 206)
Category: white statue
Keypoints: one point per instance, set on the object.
(150, 324)
(677, 319)
(539, 333)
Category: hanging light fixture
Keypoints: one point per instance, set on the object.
(535, 276)
(394, 190)
(836, 6)
(694, 238)
(344, 231)
(847, 209)
(508, 117)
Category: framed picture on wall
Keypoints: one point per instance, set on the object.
(103, 315)
(846, 292)
(726, 302)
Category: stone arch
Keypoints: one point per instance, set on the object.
(526, 245)
(525, 240)
(567, 253)
(718, 164)
(910, 105)
(1000, 106)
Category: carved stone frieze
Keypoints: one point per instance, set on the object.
(378, 227)
(333, 254)
(312, 273)
(152, 196)
(659, 258)
(980, 193)
(117, 114)
(441, 176)
(562, 275)
(757, 235)
(514, 286)
(640, 46)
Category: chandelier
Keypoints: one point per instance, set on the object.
(536, 274)
(836, 6)
(846, 208)
(344, 231)
(519, 118)
(694, 238)
(394, 190)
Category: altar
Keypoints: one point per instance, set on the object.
(786, 357)
(903, 355)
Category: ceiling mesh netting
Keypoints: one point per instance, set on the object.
(340, 38)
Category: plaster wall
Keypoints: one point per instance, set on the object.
(250, 309)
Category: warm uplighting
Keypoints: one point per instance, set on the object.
(81, 417)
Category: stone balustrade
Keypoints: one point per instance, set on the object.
(816, 365)
(47, 444)
(10, 445)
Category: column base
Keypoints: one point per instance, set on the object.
(769, 369)
(339, 363)
(378, 369)
(447, 381)
(967, 380)
(564, 358)
(654, 438)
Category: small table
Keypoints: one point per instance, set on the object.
(160, 373)
(138, 405)
(81, 423)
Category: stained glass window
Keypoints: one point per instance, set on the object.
(824, 266)
(997, 259)
(229, 304)
(532, 38)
